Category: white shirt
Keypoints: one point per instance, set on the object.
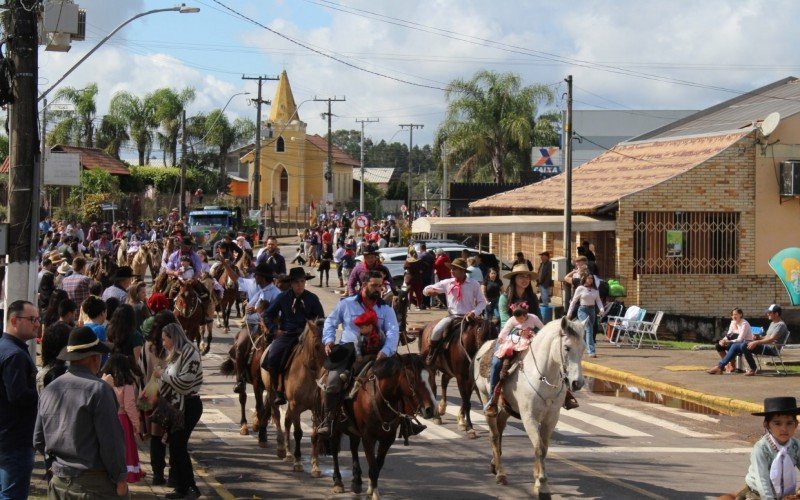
(587, 297)
(256, 293)
(472, 298)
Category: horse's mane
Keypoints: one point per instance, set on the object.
(387, 367)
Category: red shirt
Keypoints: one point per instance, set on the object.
(327, 237)
(440, 267)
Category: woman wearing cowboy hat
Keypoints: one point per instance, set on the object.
(519, 290)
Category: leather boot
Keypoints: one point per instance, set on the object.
(433, 351)
(328, 410)
(491, 406)
(570, 402)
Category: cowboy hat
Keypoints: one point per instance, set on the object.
(187, 241)
(297, 273)
(459, 263)
(264, 270)
(371, 250)
(341, 356)
(519, 269)
(64, 268)
(779, 406)
(123, 273)
(82, 343)
(56, 257)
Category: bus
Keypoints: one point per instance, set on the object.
(209, 225)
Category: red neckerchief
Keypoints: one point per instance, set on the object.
(456, 286)
(367, 303)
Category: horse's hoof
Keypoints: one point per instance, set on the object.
(356, 487)
(437, 420)
(471, 434)
(280, 453)
(338, 488)
(492, 468)
(462, 426)
(376, 495)
(255, 426)
(316, 473)
(297, 467)
(244, 431)
(502, 480)
(369, 490)
(262, 444)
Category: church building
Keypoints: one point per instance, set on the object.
(293, 162)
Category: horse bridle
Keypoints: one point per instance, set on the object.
(563, 373)
(386, 426)
(183, 301)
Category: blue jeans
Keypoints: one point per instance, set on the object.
(545, 292)
(738, 348)
(16, 467)
(492, 310)
(588, 331)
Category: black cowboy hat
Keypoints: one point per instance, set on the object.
(122, 273)
(82, 343)
(340, 357)
(187, 241)
(264, 270)
(371, 250)
(779, 406)
(296, 273)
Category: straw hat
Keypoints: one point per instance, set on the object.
(460, 264)
(520, 269)
(64, 268)
(56, 257)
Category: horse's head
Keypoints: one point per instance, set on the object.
(409, 375)
(571, 349)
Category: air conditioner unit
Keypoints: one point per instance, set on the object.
(790, 178)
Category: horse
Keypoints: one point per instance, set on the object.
(138, 262)
(103, 268)
(208, 282)
(455, 363)
(400, 306)
(535, 391)
(256, 349)
(394, 388)
(302, 393)
(190, 312)
(230, 296)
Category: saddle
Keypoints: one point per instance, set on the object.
(288, 357)
(452, 332)
(486, 362)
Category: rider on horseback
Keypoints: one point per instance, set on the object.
(371, 263)
(464, 300)
(173, 268)
(259, 288)
(292, 309)
(272, 256)
(353, 347)
(227, 249)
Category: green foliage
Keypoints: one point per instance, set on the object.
(111, 135)
(397, 190)
(249, 226)
(75, 127)
(3, 147)
(166, 180)
(349, 141)
(94, 182)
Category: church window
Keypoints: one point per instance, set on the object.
(280, 147)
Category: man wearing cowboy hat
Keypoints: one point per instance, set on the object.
(271, 255)
(342, 355)
(102, 244)
(370, 263)
(464, 299)
(292, 309)
(187, 249)
(545, 278)
(259, 288)
(78, 428)
(122, 279)
(64, 270)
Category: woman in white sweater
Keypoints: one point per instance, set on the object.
(586, 296)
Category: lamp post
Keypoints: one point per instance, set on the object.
(182, 8)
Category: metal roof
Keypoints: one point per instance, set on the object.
(742, 111)
(210, 212)
(507, 224)
(375, 175)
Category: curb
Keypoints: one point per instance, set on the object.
(722, 404)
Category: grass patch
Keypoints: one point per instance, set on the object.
(680, 345)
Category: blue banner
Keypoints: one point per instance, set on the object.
(786, 265)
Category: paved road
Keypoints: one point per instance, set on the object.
(608, 448)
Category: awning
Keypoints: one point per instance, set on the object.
(506, 224)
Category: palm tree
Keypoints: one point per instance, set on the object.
(138, 115)
(224, 135)
(490, 117)
(169, 105)
(76, 127)
(111, 135)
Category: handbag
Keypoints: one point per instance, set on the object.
(148, 398)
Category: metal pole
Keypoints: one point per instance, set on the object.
(567, 140)
(256, 197)
(328, 175)
(411, 127)
(445, 185)
(182, 205)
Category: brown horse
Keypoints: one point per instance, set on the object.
(103, 268)
(191, 313)
(395, 388)
(138, 262)
(302, 393)
(256, 349)
(230, 296)
(400, 306)
(454, 362)
(154, 251)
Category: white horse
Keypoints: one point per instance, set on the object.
(536, 391)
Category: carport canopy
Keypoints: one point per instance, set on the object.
(507, 224)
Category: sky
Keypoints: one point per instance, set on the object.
(622, 54)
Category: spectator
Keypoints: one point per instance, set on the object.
(325, 258)
(587, 296)
(442, 272)
(54, 339)
(519, 258)
(474, 271)
(739, 331)
(77, 284)
(137, 297)
(51, 313)
(125, 335)
(414, 269)
(545, 278)
(776, 334)
(95, 310)
(67, 312)
(118, 373)
(428, 260)
(119, 289)
(18, 400)
(492, 289)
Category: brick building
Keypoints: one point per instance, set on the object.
(696, 209)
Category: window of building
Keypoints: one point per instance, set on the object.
(685, 243)
(280, 145)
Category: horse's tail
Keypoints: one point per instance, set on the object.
(227, 368)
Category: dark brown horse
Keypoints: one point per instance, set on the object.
(230, 296)
(395, 388)
(454, 362)
(103, 268)
(400, 306)
(191, 312)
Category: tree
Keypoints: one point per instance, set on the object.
(139, 117)
(3, 147)
(111, 135)
(169, 106)
(224, 135)
(76, 127)
(348, 141)
(489, 119)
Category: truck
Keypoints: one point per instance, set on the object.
(209, 225)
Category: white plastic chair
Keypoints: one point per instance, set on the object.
(648, 329)
(621, 326)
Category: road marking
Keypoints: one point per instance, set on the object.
(637, 415)
(222, 426)
(686, 414)
(601, 475)
(605, 424)
(584, 450)
(480, 420)
(438, 432)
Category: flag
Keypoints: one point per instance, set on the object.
(786, 265)
(312, 216)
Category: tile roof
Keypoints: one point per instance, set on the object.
(91, 159)
(624, 170)
(782, 96)
(339, 156)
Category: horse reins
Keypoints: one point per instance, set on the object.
(543, 378)
(386, 426)
(196, 304)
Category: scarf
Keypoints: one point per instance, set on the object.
(782, 472)
(298, 304)
(456, 287)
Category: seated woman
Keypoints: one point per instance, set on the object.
(739, 331)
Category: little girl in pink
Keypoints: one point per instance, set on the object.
(119, 375)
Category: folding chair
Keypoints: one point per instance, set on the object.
(622, 326)
(773, 354)
(648, 329)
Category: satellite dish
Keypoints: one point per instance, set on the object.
(770, 123)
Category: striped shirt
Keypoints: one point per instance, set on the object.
(182, 377)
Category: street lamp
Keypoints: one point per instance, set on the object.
(182, 8)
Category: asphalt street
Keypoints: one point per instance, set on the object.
(610, 447)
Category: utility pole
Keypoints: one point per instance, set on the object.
(567, 142)
(257, 158)
(24, 166)
(329, 167)
(411, 127)
(363, 121)
(182, 206)
(445, 186)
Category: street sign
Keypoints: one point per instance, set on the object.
(362, 221)
(62, 169)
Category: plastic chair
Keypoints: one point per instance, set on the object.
(773, 354)
(649, 329)
(622, 326)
